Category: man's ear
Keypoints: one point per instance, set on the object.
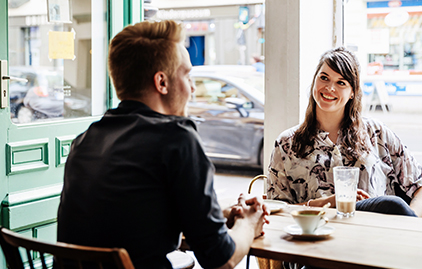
(161, 82)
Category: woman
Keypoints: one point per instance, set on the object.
(335, 134)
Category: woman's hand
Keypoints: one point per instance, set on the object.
(319, 202)
(361, 195)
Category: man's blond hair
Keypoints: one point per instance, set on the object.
(139, 51)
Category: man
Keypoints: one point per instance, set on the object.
(139, 177)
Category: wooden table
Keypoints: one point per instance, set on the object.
(367, 240)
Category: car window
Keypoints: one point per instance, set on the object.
(256, 81)
(213, 91)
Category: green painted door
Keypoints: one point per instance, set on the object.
(58, 86)
(55, 54)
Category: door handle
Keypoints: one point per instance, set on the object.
(15, 79)
(4, 86)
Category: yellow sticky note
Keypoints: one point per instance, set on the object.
(61, 45)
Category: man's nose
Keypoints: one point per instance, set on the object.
(192, 87)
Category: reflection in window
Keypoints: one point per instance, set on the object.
(56, 88)
(211, 91)
(387, 38)
(391, 49)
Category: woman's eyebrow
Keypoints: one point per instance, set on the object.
(341, 78)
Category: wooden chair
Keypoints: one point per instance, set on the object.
(11, 241)
(264, 196)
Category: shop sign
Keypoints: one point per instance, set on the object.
(396, 18)
(183, 14)
(394, 3)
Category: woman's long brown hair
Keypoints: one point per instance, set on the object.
(352, 128)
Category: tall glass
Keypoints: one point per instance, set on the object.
(345, 184)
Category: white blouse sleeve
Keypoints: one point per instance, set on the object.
(278, 186)
(406, 168)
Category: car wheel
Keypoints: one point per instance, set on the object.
(25, 114)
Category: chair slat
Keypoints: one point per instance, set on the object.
(44, 266)
(31, 263)
(11, 241)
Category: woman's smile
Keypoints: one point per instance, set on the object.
(328, 97)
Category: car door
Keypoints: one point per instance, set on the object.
(228, 132)
(51, 55)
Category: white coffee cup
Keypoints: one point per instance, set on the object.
(309, 220)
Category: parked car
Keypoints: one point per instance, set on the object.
(42, 96)
(228, 108)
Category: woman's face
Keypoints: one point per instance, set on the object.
(331, 92)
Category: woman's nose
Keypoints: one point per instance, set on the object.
(330, 87)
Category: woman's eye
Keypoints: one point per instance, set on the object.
(341, 83)
(324, 78)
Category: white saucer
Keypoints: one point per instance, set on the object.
(275, 205)
(322, 232)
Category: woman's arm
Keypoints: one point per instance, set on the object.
(319, 202)
(407, 169)
(416, 203)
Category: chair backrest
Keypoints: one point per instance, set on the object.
(63, 253)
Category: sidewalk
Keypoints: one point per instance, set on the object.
(399, 103)
(396, 119)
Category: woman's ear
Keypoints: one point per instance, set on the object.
(161, 82)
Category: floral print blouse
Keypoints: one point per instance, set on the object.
(388, 166)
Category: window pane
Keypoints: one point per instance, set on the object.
(53, 50)
(387, 38)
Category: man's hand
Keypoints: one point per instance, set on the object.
(252, 209)
(245, 220)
